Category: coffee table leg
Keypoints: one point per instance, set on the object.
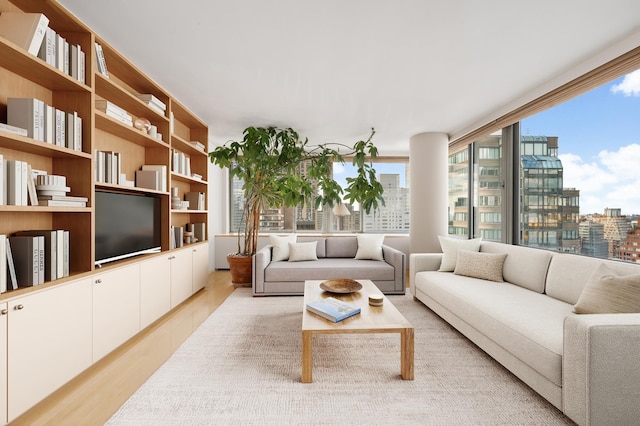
(307, 356)
(406, 354)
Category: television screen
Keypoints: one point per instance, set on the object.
(126, 225)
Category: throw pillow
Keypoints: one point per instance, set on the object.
(302, 251)
(486, 266)
(280, 245)
(370, 246)
(449, 247)
(606, 292)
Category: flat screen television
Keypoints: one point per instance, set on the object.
(126, 225)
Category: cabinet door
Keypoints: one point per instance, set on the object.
(155, 289)
(181, 276)
(49, 342)
(200, 261)
(3, 363)
(116, 308)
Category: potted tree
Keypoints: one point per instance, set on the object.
(266, 160)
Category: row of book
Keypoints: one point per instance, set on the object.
(33, 257)
(108, 166)
(180, 163)
(198, 229)
(44, 123)
(153, 103)
(31, 32)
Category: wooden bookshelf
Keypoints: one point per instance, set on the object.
(26, 76)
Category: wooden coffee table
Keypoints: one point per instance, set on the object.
(372, 319)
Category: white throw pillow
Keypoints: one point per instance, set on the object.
(370, 246)
(606, 292)
(280, 245)
(449, 249)
(302, 251)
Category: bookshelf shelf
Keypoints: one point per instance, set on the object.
(187, 179)
(111, 91)
(124, 131)
(129, 189)
(22, 143)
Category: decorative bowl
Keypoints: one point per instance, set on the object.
(341, 285)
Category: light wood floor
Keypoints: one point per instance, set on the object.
(93, 397)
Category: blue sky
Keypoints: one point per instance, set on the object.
(599, 144)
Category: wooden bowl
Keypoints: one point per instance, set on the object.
(341, 285)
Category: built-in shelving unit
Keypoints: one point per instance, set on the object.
(23, 75)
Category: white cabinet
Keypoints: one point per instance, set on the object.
(3, 363)
(200, 264)
(116, 308)
(181, 275)
(48, 342)
(155, 289)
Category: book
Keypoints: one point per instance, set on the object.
(333, 309)
(3, 182)
(62, 198)
(25, 113)
(161, 175)
(13, 129)
(62, 203)
(12, 280)
(26, 259)
(151, 101)
(31, 187)
(65, 253)
(3, 263)
(102, 64)
(15, 182)
(50, 251)
(147, 179)
(195, 199)
(27, 30)
(47, 50)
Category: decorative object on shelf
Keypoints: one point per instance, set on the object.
(143, 124)
(341, 285)
(176, 202)
(266, 160)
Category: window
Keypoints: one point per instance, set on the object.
(393, 217)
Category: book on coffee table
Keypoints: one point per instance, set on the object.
(333, 309)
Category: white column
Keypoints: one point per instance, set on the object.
(428, 154)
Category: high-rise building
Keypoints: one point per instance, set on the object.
(592, 239)
(394, 215)
(616, 228)
(629, 248)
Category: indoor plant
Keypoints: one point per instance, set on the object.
(266, 160)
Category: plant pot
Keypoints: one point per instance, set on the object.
(241, 268)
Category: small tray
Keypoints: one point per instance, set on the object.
(341, 285)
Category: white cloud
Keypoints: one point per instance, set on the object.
(610, 181)
(629, 86)
(338, 169)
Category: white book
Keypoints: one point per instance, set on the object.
(31, 187)
(71, 129)
(78, 134)
(60, 253)
(67, 63)
(14, 182)
(49, 124)
(62, 203)
(81, 65)
(24, 29)
(24, 113)
(116, 167)
(41, 114)
(24, 196)
(3, 263)
(48, 48)
(161, 175)
(73, 66)
(147, 179)
(13, 129)
(60, 52)
(65, 253)
(102, 64)
(12, 280)
(100, 166)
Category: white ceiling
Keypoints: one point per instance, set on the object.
(332, 69)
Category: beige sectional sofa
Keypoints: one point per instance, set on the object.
(587, 365)
(335, 259)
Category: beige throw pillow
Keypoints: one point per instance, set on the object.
(370, 246)
(606, 292)
(280, 245)
(449, 247)
(302, 251)
(486, 266)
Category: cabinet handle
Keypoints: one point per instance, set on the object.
(171, 257)
(18, 307)
(4, 312)
(98, 281)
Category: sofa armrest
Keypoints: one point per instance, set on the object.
(600, 374)
(396, 258)
(422, 262)
(261, 260)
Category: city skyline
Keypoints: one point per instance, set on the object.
(599, 144)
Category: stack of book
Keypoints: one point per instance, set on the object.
(17, 183)
(181, 163)
(197, 145)
(58, 52)
(30, 258)
(114, 111)
(46, 123)
(53, 190)
(153, 102)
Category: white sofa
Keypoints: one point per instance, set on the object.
(335, 259)
(587, 365)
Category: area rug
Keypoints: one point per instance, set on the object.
(242, 366)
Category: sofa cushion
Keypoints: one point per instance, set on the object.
(370, 246)
(280, 245)
(524, 266)
(569, 273)
(606, 292)
(449, 248)
(486, 266)
(327, 268)
(526, 323)
(342, 247)
(302, 251)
